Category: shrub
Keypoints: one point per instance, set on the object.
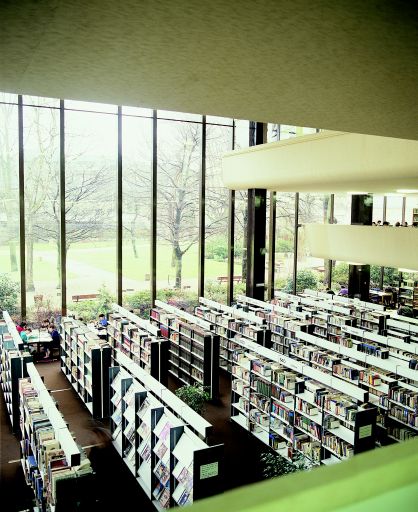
(89, 310)
(305, 279)
(340, 273)
(9, 294)
(283, 245)
(216, 249)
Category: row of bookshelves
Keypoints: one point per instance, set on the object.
(54, 466)
(162, 448)
(369, 360)
(193, 347)
(12, 367)
(230, 323)
(291, 413)
(85, 361)
(139, 340)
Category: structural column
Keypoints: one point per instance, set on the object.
(256, 226)
(359, 275)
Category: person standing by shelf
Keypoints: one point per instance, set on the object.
(102, 322)
(343, 291)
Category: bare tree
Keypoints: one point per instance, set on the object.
(9, 179)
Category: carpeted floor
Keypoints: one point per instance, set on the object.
(115, 483)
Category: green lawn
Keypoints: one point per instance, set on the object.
(102, 255)
(104, 258)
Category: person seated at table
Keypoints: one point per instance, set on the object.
(25, 334)
(102, 322)
(45, 324)
(343, 291)
(21, 327)
(55, 343)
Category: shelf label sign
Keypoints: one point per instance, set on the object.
(209, 470)
(365, 431)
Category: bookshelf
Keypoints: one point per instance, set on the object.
(53, 465)
(295, 410)
(403, 328)
(85, 360)
(13, 363)
(139, 340)
(162, 448)
(366, 359)
(193, 347)
(408, 291)
(230, 323)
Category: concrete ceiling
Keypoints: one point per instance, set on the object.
(348, 66)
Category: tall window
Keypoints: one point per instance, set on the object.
(218, 142)
(41, 137)
(90, 194)
(136, 208)
(179, 164)
(9, 206)
(242, 138)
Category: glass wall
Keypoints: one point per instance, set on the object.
(91, 163)
(179, 164)
(136, 208)
(9, 205)
(41, 138)
(90, 204)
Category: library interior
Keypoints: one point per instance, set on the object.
(202, 304)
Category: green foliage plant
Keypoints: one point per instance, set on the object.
(275, 465)
(194, 396)
(9, 294)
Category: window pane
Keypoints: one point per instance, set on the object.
(9, 208)
(219, 120)
(136, 208)
(411, 210)
(180, 116)
(394, 209)
(137, 111)
(285, 237)
(218, 141)
(91, 106)
(90, 192)
(38, 101)
(342, 209)
(377, 208)
(42, 211)
(179, 161)
(312, 272)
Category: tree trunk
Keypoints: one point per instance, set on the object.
(134, 249)
(13, 259)
(58, 264)
(179, 266)
(30, 287)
